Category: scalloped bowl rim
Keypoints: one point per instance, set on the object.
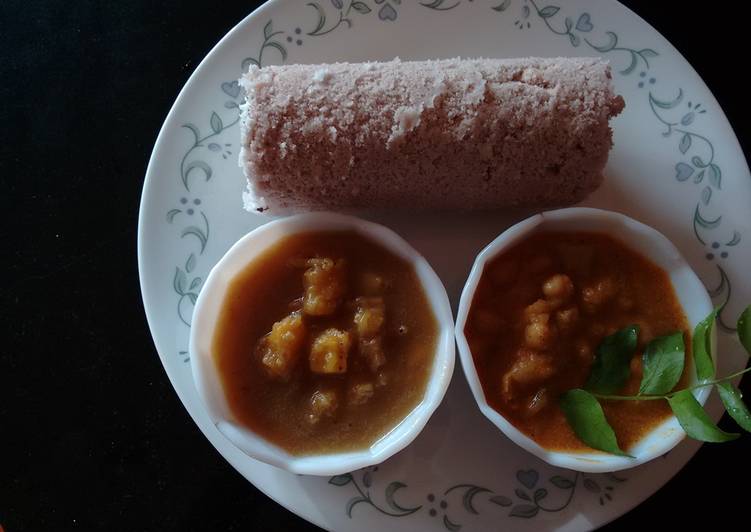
(649, 242)
(208, 381)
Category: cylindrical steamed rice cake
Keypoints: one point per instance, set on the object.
(446, 134)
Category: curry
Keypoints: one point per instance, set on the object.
(324, 342)
(540, 311)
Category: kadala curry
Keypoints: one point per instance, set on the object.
(539, 312)
(324, 342)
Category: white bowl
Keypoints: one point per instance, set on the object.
(691, 293)
(208, 381)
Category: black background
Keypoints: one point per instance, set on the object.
(92, 435)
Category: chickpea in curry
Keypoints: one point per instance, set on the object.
(540, 311)
(325, 342)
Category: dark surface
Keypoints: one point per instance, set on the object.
(92, 435)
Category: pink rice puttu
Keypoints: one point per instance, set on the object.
(443, 134)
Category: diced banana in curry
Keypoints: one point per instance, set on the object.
(537, 308)
(528, 369)
(280, 349)
(369, 316)
(601, 292)
(325, 282)
(558, 286)
(323, 403)
(359, 393)
(540, 333)
(541, 329)
(329, 352)
(567, 319)
(372, 351)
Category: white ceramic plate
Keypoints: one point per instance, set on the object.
(676, 165)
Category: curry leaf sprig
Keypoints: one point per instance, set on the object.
(662, 366)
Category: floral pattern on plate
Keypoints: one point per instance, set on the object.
(681, 117)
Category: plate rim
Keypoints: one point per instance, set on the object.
(150, 178)
(148, 183)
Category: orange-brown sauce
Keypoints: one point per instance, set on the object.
(526, 360)
(279, 408)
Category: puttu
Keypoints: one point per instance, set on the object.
(439, 134)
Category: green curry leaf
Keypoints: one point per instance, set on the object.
(744, 329)
(695, 420)
(586, 417)
(662, 364)
(733, 401)
(612, 365)
(702, 347)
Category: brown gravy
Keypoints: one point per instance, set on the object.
(539, 313)
(367, 322)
